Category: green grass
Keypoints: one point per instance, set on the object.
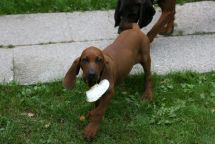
(182, 112)
(44, 6)
(35, 6)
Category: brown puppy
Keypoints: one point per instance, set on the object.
(114, 64)
(142, 11)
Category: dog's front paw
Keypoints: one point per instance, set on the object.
(90, 131)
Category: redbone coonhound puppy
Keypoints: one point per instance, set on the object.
(142, 12)
(113, 63)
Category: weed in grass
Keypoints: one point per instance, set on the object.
(166, 85)
(167, 115)
(187, 88)
(10, 46)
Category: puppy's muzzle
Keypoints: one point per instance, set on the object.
(91, 77)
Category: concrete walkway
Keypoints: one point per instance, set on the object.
(45, 45)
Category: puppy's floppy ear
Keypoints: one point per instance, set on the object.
(70, 77)
(147, 12)
(116, 14)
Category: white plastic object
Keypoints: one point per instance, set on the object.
(97, 90)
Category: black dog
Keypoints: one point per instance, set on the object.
(142, 12)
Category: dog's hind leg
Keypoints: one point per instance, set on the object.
(165, 24)
(168, 28)
(165, 17)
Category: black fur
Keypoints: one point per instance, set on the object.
(130, 11)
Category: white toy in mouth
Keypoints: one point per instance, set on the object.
(97, 90)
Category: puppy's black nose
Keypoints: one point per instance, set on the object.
(91, 74)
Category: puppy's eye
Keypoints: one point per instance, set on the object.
(84, 61)
(98, 60)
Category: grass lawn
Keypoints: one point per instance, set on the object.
(182, 112)
(43, 6)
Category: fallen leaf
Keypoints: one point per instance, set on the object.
(82, 118)
(47, 125)
(30, 114)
